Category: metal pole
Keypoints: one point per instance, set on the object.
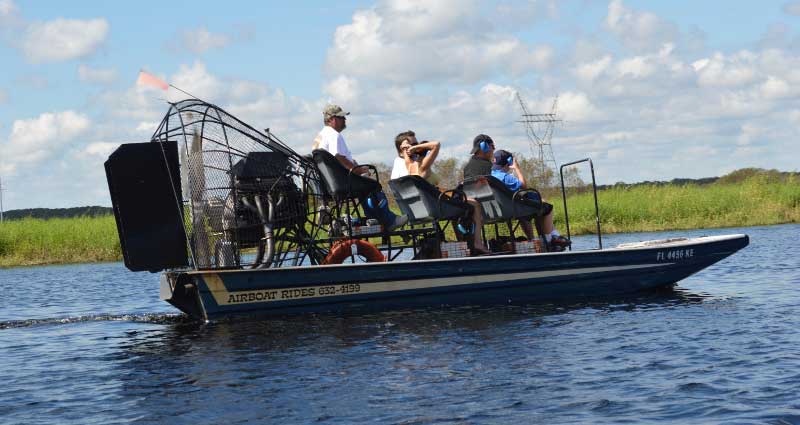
(594, 189)
(596, 208)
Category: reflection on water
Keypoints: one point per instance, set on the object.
(293, 331)
(101, 348)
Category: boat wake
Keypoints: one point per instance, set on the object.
(158, 318)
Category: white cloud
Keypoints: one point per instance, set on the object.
(794, 117)
(200, 40)
(63, 39)
(7, 7)
(638, 30)
(775, 88)
(648, 95)
(646, 75)
(726, 71)
(792, 8)
(88, 74)
(101, 149)
(37, 139)
(523, 13)
(343, 90)
(416, 41)
(747, 134)
(587, 72)
(147, 127)
(9, 16)
(196, 79)
(636, 67)
(577, 107)
(698, 152)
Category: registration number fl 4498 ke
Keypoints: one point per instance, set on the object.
(675, 254)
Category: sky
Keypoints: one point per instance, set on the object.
(649, 90)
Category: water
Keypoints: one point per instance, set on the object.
(89, 344)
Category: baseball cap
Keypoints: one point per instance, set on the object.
(501, 158)
(334, 111)
(477, 141)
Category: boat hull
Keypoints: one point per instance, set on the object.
(210, 295)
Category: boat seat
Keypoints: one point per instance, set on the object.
(425, 203)
(501, 204)
(342, 189)
(340, 182)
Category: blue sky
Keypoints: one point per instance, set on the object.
(650, 90)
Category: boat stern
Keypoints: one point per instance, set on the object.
(180, 290)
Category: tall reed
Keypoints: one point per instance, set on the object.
(755, 201)
(60, 240)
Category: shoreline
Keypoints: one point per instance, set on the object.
(4, 265)
(761, 200)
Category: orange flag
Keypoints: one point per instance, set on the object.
(147, 79)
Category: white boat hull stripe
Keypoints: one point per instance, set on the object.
(224, 297)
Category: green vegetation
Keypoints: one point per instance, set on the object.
(743, 198)
(33, 241)
(758, 199)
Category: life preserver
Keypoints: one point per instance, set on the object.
(342, 249)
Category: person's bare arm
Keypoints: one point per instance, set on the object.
(427, 161)
(520, 177)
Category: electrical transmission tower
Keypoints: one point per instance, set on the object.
(539, 128)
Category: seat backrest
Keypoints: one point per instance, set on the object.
(415, 198)
(423, 202)
(334, 174)
(339, 181)
(497, 201)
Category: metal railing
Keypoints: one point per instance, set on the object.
(564, 197)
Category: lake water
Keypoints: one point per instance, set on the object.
(85, 344)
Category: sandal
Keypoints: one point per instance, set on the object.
(559, 243)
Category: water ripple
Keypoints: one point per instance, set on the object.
(720, 348)
(137, 318)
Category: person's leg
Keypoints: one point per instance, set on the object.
(379, 210)
(546, 224)
(527, 227)
(477, 219)
(377, 207)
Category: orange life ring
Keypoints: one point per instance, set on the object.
(342, 250)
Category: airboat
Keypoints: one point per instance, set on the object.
(238, 223)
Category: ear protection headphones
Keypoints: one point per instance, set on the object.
(484, 145)
(510, 161)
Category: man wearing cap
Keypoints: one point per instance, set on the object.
(330, 139)
(480, 164)
(505, 170)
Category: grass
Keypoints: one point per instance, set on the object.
(32, 241)
(757, 200)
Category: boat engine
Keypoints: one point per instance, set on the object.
(264, 199)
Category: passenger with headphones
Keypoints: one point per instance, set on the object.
(506, 170)
(480, 164)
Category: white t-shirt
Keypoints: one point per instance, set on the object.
(399, 169)
(333, 142)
